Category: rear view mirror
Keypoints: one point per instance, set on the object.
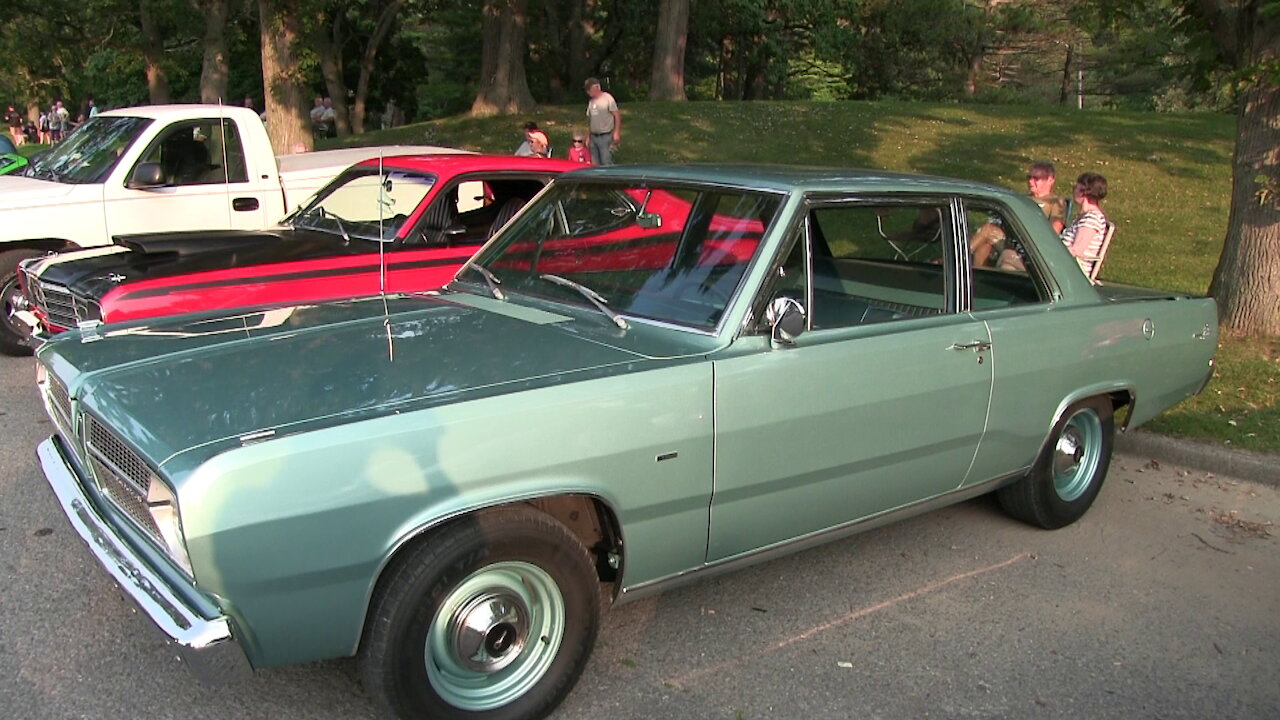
(147, 175)
(649, 220)
(786, 320)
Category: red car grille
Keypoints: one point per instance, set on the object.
(55, 303)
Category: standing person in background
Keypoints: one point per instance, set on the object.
(13, 119)
(605, 121)
(578, 151)
(1040, 180)
(42, 131)
(61, 117)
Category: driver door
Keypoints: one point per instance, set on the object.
(879, 404)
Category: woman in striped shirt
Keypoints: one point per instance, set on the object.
(1084, 236)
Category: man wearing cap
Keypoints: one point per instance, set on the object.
(605, 122)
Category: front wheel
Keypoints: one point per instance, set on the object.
(1069, 472)
(14, 334)
(494, 616)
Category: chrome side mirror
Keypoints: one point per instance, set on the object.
(786, 320)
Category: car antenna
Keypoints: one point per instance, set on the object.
(382, 261)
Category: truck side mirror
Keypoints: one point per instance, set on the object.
(147, 175)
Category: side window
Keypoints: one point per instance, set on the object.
(875, 263)
(200, 152)
(469, 212)
(1003, 272)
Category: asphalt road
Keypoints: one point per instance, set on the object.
(1163, 602)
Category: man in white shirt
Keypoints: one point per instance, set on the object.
(605, 122)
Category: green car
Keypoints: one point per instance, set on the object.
(650, 375)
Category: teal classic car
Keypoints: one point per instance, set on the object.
(650, 375)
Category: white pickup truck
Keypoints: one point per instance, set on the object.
(154, 169)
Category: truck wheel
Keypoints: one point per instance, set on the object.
(13, 334)
(494, 616)
(1069, 472)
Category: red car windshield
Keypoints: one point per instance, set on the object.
(362, 203)
(670, 254)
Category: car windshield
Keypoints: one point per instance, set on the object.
(90, 152)
(671, 254)
(365, 204)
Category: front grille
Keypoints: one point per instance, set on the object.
(121, 474)
(60, 401)
(55, 302)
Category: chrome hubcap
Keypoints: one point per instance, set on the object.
(494, 636)
(1076, 454)
(490, 631)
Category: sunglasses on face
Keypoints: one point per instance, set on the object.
(578, 142)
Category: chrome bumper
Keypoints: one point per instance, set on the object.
(206, 646)
(36, 336)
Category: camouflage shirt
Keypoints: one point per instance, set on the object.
(1054, 207)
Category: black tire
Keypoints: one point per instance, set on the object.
(13, 334)
(465, 623)
(1069, 472)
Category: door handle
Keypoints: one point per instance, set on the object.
(976, 346)
(244, 204)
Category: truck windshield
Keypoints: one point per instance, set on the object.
(90, 152)
(363, 204)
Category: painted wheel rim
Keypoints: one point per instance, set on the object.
(495, 635)
(1076, 455)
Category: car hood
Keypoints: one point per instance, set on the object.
(147, 257)
(18, 191)
(210, 381)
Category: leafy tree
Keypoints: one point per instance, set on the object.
(1246, 283)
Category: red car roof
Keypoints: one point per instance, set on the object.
(454, 164)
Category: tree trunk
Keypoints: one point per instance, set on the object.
(153, 56)
(368, 61)
(1065, 93)
(288, 124)
(213, 72)
(328, 47)
(667, 78)
(503, 86)
(1246, 282)
(578, 33)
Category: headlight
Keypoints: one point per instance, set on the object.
(163, 507)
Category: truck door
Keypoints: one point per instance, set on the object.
(203, 184)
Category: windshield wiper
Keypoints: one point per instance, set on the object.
(489, 279)
(596, 298)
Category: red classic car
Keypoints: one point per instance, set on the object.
(398, 224)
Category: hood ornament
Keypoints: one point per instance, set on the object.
(116, 278)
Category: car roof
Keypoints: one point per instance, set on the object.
(454, 164)
(788, 178)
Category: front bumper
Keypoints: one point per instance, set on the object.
(205, 645)
(36, 335)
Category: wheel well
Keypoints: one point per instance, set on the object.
(594, 523)
(1122, 407)
(590, 519)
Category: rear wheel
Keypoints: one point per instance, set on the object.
(1069, 472)
(494, 616)
(13, 333)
